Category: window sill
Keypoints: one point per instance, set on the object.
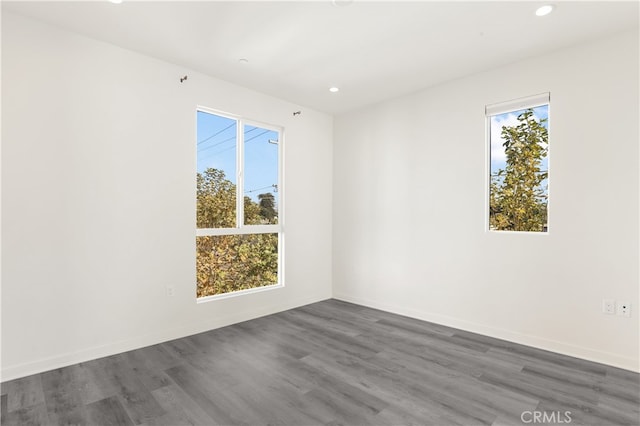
(206, 299)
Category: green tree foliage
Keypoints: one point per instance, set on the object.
(251, 212)
(216, 200)
(518, 202)
(227, 263)
(268, 207)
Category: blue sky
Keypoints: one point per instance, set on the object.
(217, 146)
(510, 119)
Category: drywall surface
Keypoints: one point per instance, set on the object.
(410, 207)
(98, 199)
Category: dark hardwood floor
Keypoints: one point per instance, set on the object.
(329, 363)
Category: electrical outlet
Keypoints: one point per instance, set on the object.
(608, 306)
(170, 291)
(624, 309)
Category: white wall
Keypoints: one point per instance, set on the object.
(409, 207)
(98, 203)
(98, 210)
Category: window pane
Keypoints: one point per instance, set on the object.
(228, 263)
(216, 173)
(518, 192)
(260, 175)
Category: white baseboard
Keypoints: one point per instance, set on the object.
(21, 370)
(35, 367)
(498, 333)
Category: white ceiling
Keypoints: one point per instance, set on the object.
(371, 50)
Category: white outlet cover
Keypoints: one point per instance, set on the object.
(624, 309)
(608, 306)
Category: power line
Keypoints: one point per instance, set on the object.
(217, 133)
(225, 140)
(256, 136)
(231, 147)
(264, 187)
(221, 151)
(219, 143)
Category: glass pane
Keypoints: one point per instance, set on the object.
(519, 190)
(228, 263)
(260, 176)
(216, 173)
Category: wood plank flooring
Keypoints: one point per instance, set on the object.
(329, 363)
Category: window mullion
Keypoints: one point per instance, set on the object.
(240, 175)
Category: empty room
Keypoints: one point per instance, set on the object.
(337, 212)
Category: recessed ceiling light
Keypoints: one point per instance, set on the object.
(340, 3)
(334, 89)
(544, 10)
(116, 1)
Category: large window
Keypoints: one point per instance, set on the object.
(519, 164)
(238, 205)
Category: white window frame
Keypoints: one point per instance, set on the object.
(501, 108)
(241, 228)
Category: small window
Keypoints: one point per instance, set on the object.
(238, 217)
(518, 133)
